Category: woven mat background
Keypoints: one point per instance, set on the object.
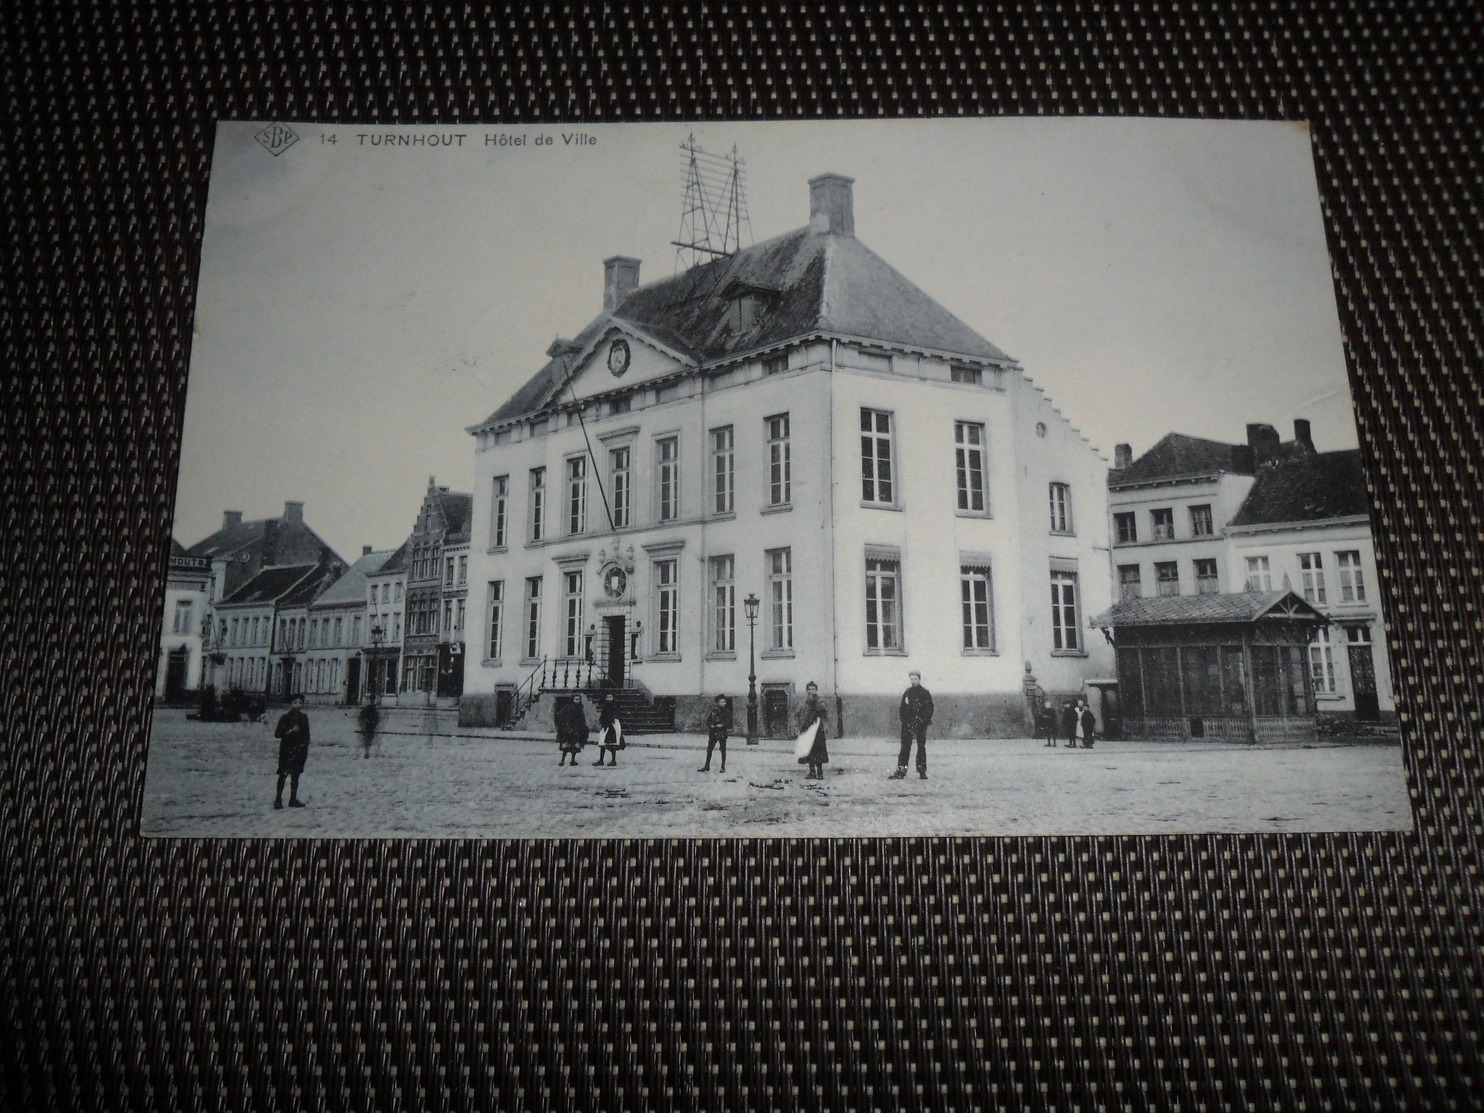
(1291, 972)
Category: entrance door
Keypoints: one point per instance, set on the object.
(1363, 677)
(616, 650)
(353, 681)
(775, 713)
(175, 674)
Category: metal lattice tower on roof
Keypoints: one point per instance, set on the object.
(714, 212)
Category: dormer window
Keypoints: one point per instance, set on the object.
(743, 311)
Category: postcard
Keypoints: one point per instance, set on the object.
(813, 479)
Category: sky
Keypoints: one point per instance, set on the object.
(361, 304)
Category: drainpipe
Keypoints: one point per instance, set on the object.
(834, 558)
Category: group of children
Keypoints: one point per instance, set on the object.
(1074, 718)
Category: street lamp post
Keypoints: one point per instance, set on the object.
(750, 603)
(375, 672)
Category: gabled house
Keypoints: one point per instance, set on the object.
(262, 626)
(1306, 524)
(335, 665)
(427, 649)
(788, 464)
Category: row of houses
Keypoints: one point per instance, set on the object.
(789, 464)
(267, 607)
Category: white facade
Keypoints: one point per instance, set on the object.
(623, 543)
(1331, 565)
(180, 670)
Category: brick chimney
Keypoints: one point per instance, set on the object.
(231, 519)
(293, 511)
(1302, 436)
(620, 277)
(1262, 438)
(1123, 456)
(832, 205)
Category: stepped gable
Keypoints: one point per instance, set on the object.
(1314, 487)
(810, 283)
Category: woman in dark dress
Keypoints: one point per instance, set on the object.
(813, 711)
(571, 727)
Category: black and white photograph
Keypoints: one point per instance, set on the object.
(983, 477)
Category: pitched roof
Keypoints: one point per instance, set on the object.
(458, 511)
(1206, 608)
(811, 284)
(397, 563)
(308, 590)
(275, 539)
(1178, 456)
(1318, 487)
(350, 587)
(269, 584)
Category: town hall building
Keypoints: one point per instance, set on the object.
(795, 425)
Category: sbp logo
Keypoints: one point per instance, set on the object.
(277, 138)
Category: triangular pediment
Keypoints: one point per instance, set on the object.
(619, 357)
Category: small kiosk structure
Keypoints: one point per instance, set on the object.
(1221, 666)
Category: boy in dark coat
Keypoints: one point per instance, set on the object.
(718, 722)
(1046, 724)
(916, 714)
(292, 732)
(1069, 724)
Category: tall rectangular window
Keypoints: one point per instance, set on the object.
(1167, 579)
(499, 506)
(780, 599)
(667, 607)
(1129, 583)
(538, 504)
(576, 496)
(572, 643)
(1322, 662)
(447, 619)
(183, 611)
(533, 618)
(494, 645)
(1061, 507)
(1201, 522)
(977, 601)
(723, 604)
(1259, 577)
(1163, 522)
(883, 605)
(780, 464)
(621, 484)
(1206, 580)
(968, 458)
(667, 476)
(878, 482)
(1311, 567)
(1066, 635)
(722, 495)
(448, 572)
(1352, 581)
(1125, 527)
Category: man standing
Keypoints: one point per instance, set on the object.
(916, 713)
(1046, 724)
(1069, 722)
(1089, 724)
(718, 721)
(292, 732)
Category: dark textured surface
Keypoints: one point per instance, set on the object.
(1322, 971)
